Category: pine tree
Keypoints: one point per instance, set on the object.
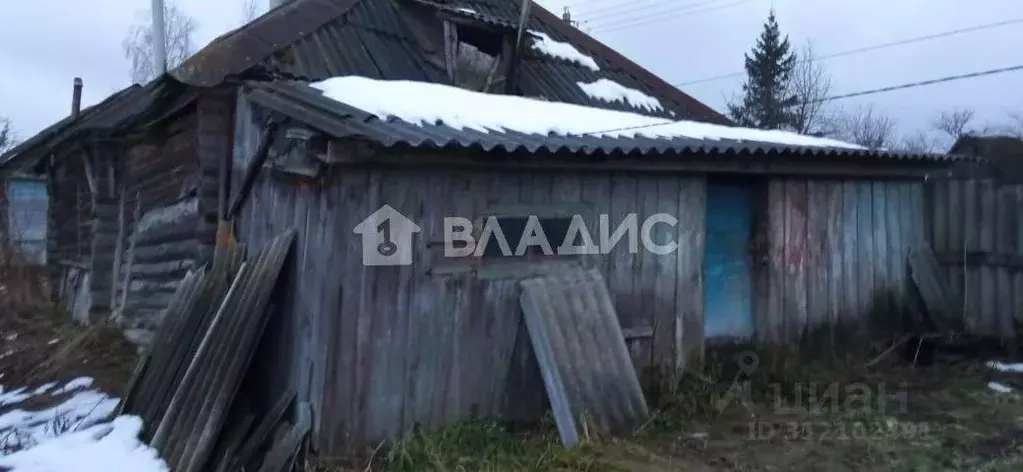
(766, 100)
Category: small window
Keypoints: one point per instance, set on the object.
(514, 228)
(476, 70)
(475, 57)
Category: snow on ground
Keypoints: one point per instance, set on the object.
(998, 387)
(1005, 367)
(557, 49)
(69, 435)
(109, 447)
(611, 91)
(420, 102)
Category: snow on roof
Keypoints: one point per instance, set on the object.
(427, 103)
(467, 10)
(611, 91)
(558, 49)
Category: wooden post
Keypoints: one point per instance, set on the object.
(130, 256)
(115, 309)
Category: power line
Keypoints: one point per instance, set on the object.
(617, 7)
(619, 13)
(861, 93)
(663, 15)
(875, 47)
(950, 78)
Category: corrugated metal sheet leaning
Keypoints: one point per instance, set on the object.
(585, 363)
(188, 379)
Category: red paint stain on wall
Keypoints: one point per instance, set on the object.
(796, 238)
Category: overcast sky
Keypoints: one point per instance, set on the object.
(45, 43)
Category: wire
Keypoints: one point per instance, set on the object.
(648, 15)
(871, 48)
(861, 93)
(615, 12)
(664, 15)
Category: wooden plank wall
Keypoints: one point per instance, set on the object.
(160, 175)
(977, 235)
(836, 256)
(378, 349)
(69, 230)
(106, 160)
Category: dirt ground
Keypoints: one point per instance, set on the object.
(828, 414)
(825, 415)
(39, 345)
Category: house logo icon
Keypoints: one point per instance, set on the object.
(386, 238)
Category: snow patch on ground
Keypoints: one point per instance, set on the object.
(68, 436)
(611, 91)
(999, 366)
(998, 387)
(426, 103)
(21, 428)
(557, 49)
(110, 447)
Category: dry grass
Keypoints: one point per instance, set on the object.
(886, 417)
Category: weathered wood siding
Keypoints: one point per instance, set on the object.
(977, 235)
(836, 256)
(70, 232)
(160, 184)
(378, 349)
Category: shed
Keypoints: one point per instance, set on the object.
(135, 180)
(777, 237)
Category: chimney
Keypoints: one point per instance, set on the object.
(159, 38)
(566, 15)
(277, 3)
(76, 98)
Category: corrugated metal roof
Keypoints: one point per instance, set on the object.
(318, 39)
(116, 113)
(308, 105)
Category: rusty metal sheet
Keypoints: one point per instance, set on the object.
(579, 345)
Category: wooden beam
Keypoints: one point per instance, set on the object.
(978, 258)
(252, 171)
(713, 164)
(450, 48)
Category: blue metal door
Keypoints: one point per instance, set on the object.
(728, 307)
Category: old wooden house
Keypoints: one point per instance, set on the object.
(292, 122)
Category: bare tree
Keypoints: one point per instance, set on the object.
(1013, 125)
(250, 10)
(866, 127)
(955, 123)
(7, 138)
(138, 45)
(811, 85)
(917, 142)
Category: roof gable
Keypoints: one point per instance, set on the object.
(318, 39)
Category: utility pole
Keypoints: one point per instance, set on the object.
(159, 38)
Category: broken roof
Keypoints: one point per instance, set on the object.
(118, 112)
(426, 115)
(317, 39)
